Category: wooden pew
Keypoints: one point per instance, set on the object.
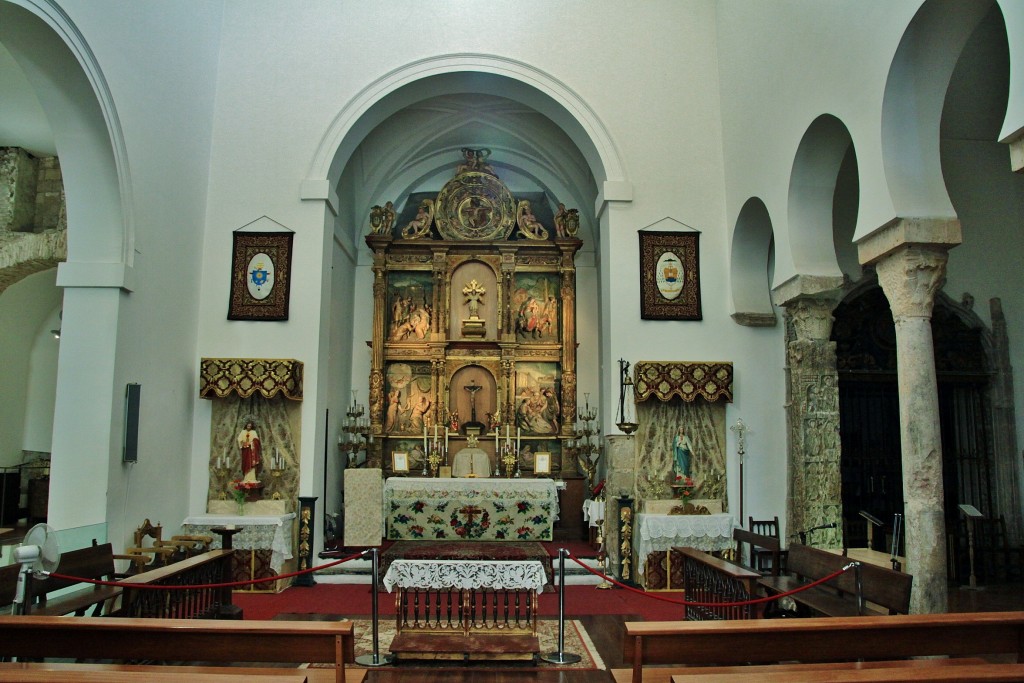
(888, 589)
(30, 673)
(837, 639)
(180, 640)
(934, 671)
(709, 579)
(92, 562)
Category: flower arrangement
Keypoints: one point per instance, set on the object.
(240, 490)
(683, 487)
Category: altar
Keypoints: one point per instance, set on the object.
(262, 545)
(658, 534)
(418, 508)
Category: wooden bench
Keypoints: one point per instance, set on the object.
(887, 589)
(934, 671)
(198, 601)
(688, 644)
(178, 641)
(92, 562)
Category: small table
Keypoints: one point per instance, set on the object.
(265, 539)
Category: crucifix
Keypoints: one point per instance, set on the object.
(474, 294)
(472, 389)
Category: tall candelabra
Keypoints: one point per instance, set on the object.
(357, 428)
(582, 447)
(506, 454)
(436, 453)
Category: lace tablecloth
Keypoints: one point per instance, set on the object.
(417, 508)
(661, 532)
(257, 533)
(465, 574)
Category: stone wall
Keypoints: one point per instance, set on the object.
(33, 215)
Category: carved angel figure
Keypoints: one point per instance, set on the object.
(560, 220)
(475, 160)
(529, 226)
(420, 225)
(382, 218)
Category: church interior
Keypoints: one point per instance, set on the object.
(327, 277)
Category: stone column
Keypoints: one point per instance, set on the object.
(910, 259)
(812, 407)
(620, 479)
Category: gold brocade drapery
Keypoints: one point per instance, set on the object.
(221, 377)
(713, 381)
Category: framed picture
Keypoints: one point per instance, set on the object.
(669, 276)
(400, 461)
(261, 269)
(542, 463)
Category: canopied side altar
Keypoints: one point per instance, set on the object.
(474, 330)
(674, 466)
(254, 434)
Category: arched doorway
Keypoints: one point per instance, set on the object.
(871, 463)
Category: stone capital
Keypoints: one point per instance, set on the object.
(910, 277)
(1016, 145)
(936, 233)
(809, 301)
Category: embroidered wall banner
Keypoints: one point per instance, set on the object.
(713, 381)
(221, 377)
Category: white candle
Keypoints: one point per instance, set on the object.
(518, 431)
(424, 439)
(446, 439)
(495, 440)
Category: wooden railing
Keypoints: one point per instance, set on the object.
(708, 579)
(197, 600)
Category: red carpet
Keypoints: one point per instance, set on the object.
(355, 599)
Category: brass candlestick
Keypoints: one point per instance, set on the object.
(358, 429)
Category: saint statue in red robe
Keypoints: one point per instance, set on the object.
(249, 445)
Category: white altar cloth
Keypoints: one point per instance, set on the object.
(495, 509)
(593, 511)
(661, 532)
(465, 574)
(257, 532)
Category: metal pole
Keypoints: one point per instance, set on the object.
(561, 657)
(376, 659)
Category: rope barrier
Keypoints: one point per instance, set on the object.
(741, 603)
(230, 584)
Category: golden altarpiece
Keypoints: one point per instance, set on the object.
(474, 331)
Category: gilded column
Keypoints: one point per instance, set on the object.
(567, 270)
(910, 259)
(376, 398)
(812, 407)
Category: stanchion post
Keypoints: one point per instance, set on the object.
(375, 659)
(561, 657)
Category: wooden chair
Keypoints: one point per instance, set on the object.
(143, 556)
(760, 559)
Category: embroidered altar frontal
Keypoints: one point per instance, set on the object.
(470, 509)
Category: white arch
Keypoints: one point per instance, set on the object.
(915, 91)
(538, 89)
(99, 192)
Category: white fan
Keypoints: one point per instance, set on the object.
(38, 554)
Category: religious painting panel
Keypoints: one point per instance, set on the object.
(410, 305)
(538, 412)
(410, 398)
(414, 452)
(535, 301)
(530, 455)
(669, 276)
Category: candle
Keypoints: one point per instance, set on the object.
(495, 440)
(424, 439)
(518, 433)
(446, 439)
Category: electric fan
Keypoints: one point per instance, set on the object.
(38, 555)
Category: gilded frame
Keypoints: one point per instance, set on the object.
(670, 276)
(400, 462)
(542, 462)
(259, 259)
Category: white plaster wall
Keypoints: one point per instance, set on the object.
(29, 372)
(159, 63)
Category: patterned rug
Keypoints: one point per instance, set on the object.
(467, 550)
(576, 641)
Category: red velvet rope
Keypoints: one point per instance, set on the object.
(232, 584)
(742, 603)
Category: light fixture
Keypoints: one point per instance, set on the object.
(625, 419)
(56, 332)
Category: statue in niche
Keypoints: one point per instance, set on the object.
(682, 453)
(529, 226)
(474, 326)
(250, 451)
(420, 225)
(409, 319)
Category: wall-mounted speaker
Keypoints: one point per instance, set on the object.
(132, 394)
